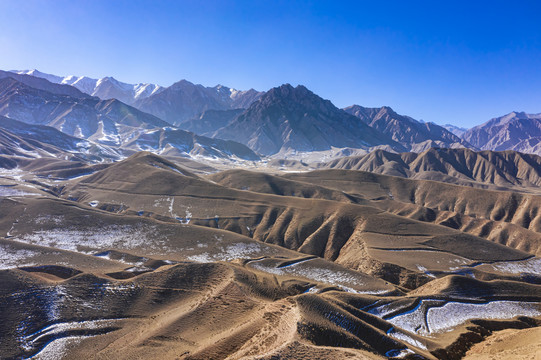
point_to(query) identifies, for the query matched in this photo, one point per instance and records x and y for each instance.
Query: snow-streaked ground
(347, 281)
(83, 239)
(12, 258)
(56, 349)
(232, 252)
(8, 191)
(529, 266)
(434, 316)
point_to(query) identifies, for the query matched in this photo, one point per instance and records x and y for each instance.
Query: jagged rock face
(243, 99)
(405, 130)
(515, 131)
(288, 118)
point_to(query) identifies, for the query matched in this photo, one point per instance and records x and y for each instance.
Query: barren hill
(460, 166)
(145, 258)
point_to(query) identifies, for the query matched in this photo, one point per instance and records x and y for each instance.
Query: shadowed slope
(502, 216)
(412, 134)
(460, 166)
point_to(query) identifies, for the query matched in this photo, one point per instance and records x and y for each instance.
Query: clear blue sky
(459, 62)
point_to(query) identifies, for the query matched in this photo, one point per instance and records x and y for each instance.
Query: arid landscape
(270, 180)
(145, 258)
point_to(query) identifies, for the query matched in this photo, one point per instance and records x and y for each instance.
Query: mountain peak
(181, 84)
(288, 91)
(517, 131)
(411, 133)
(104, 88)
(288, 118)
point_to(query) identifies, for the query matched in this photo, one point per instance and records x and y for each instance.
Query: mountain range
(413, 135)
(286, 121)
(104, 88)
(183, 100)
(179, 102)
(515, 131)
(458, 166)
(107, 122)
(294, 119)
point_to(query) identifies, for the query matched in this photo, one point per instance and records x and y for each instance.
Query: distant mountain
(180, 102)
(108, 122)
(414, 135)
(105, 121)
(515, 131)
(288, 118)
(104, 88)
(459, 166)
(43, 84)
(457, 130)
(22, 140)
(184, 100)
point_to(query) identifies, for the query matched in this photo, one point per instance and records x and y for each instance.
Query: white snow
(341, 279)
(57, 348)
(92, 86)
(12, 258)
(8, 191)
(406, 338)
(171, 204)
(230, 252)
(443, 316)
(44, 219)
(78, 132)
(455, 313)
(107, 236)
(175, 170)
(14, 173)
(530, 266)
(399, 354)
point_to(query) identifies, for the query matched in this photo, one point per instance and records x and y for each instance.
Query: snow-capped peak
(104, 88)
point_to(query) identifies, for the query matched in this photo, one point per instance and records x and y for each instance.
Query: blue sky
(459, 62)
